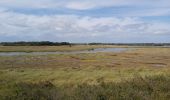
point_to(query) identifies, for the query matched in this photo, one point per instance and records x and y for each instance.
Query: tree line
(132, 44)
(42, 43)
(48, 43)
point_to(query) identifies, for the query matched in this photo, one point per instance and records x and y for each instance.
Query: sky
(83, 21)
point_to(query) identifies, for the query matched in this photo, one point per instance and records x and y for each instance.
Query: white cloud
(83, 4)
(147, 12)
(83, 25)
(89, 4)
(159, 28)
(138, 7)
(73, 26)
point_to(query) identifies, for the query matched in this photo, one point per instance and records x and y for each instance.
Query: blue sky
(85, 20)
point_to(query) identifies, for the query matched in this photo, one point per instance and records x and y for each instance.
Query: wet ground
(68, 52)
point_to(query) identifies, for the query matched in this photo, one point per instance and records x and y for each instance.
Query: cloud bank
(76, 27)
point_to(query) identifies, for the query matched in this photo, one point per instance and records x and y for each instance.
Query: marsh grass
(142, 74)
(137, 88)
(51, 48)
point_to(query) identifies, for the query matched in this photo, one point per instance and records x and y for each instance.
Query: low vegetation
(138, 74)
(138, 88)
(50, 48)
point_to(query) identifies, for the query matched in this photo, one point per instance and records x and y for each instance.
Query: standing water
(65, 52)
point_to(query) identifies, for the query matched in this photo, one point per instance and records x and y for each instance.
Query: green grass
(50, 48)
(142, 74)
(49, 84)
(138, 88)
(73, 76)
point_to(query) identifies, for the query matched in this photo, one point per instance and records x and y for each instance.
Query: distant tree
(42, 43)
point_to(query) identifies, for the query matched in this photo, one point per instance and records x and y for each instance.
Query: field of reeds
(138, 74)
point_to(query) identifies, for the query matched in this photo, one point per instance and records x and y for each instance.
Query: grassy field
(139, 74)
(50, 48)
